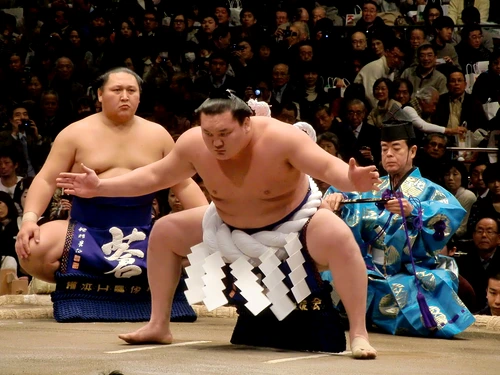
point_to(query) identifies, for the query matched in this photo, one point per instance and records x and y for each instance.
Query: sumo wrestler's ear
(246, 125)
(99, 95)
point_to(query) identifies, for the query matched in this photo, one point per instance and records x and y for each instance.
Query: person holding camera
(24, 137)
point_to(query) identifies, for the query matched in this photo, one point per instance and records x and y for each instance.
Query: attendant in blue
(411, 288)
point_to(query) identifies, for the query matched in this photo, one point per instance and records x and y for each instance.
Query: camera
(25, 126)
(288, 33)
(257, 92)
(235, 47)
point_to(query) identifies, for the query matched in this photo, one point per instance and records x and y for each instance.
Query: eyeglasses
(179, 21)
(489, 232)
(357, 113)
(438, 145)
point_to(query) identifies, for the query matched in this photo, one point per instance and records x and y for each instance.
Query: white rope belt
(265, 249)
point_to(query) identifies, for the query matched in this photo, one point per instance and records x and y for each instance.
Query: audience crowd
(345, 67)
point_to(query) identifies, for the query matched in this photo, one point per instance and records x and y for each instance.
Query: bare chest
(106, 152)
(255, 179)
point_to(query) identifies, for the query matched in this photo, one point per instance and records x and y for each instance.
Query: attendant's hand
(457, 131)
(363, 178)
(83, 185)
(393, 206)
(333, 202)
(29, 230)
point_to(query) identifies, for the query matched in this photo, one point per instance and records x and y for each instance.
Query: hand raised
(83, 185)
(363, 178)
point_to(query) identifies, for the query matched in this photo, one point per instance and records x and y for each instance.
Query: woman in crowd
(310, 93)
(382, 91)
(456, 181)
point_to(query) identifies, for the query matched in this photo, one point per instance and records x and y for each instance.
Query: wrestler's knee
(44, 258)
(327, 233)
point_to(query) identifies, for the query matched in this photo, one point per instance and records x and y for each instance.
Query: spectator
(432, 157)
(377, 45)
(370, 22)
(442, 42)
(8, 233)
(310, 92)
(52, 120)
(66, 87)
(24, 137)
(456, 8)
(250, 27)
(477, 184)
(488, 83)
(282, 90)
(470, 49)
(403, 91)
(487, 206)
(217, 79)
(425, 73)
(385, 67)
(481, 258)
(383, 92)
(457, 108)
(471, 16)
(456, 182)
(8, 167)
(366, 146)
(286, 112)
(223, 14)
(492, 296)
(208, 25)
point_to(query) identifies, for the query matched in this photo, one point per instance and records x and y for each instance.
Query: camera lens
(257, 92)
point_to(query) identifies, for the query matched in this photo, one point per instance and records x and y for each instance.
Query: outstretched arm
(305, 155)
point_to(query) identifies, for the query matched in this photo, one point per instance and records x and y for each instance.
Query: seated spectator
(209, 23)
(286, 112)
(310, 93)
(403, 91)
(23, 136)
(442, 43)
(425, 73)
(250, 26)
(456, 182)
(432, 157)
(487, 206)
(488, 83)
(477, 184)
(36, 84)
(52, 120)
(383, 92)
(84, 107)
(417, 37)
(8, 233)
(382, 68)
(481, 259)
(223, 14)
(457, 108)
(492, 296)
(432, 11)
(8, 166)
(243, 62)
(470, 49)
(471, 16)
(174, 203)
(369, 22)
(65, 85)
(456, 8)
(366, 147)
(217, 79)
(282, 22)
(282, 89)
(377, 45)
(330, 143)
(78, 52)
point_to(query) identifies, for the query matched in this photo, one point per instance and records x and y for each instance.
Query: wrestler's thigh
(327, 233)
(179, 231)
(44, 257)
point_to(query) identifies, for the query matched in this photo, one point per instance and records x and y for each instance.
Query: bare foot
(361, 349)
(149, 334)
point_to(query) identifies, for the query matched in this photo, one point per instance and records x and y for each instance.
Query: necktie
(24, 143)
